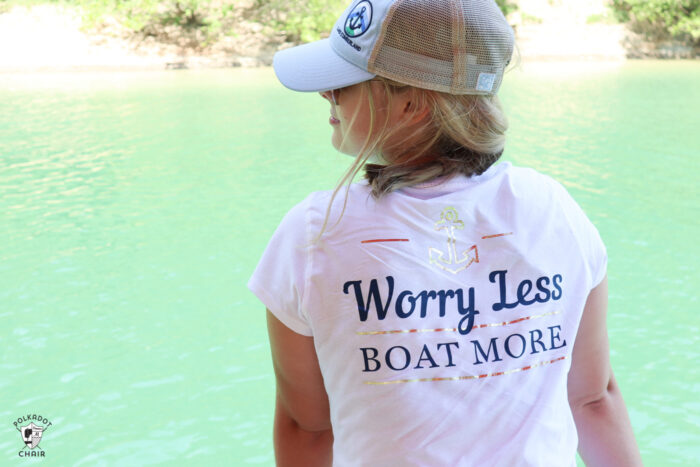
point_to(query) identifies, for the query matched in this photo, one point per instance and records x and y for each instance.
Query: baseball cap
(453, 46)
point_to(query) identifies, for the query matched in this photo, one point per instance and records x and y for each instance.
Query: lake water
(134, 207)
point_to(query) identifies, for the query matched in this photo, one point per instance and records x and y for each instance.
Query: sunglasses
(335, 93)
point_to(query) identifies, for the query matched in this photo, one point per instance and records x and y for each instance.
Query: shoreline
(49, 38)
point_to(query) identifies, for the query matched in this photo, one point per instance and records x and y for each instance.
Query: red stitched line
(385, 240)
(497, 235)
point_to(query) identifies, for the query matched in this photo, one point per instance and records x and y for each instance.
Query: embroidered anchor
(355, 21)
(449, 221)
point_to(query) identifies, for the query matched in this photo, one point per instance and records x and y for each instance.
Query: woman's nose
(330, 95)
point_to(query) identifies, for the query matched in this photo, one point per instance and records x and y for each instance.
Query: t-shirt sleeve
(279, 278)
(587, 236)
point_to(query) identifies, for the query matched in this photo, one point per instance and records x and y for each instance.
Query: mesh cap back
(454, 46)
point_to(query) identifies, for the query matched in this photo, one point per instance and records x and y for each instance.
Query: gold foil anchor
(449, 221)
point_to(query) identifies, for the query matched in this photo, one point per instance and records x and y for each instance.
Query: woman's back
(443, 316)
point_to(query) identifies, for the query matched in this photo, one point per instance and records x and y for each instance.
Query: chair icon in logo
(31, 434)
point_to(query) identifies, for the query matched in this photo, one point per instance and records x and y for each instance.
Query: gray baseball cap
(453, 46)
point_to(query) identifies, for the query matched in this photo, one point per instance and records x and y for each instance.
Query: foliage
(7, 5)
(207, 20)
(532, 19)
(299, 21)
(661, 19)
(603, 18)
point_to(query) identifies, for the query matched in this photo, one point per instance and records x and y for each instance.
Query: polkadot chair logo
(32, 434)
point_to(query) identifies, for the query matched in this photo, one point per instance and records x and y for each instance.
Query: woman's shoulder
(506, 172)
(319, 200)
(315, 205)
(532, 186)
(530, 177)
(544, 193)
(537, 195)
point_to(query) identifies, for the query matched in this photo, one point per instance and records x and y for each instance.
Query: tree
(661, 19)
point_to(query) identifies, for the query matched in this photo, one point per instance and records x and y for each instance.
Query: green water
(134, 207)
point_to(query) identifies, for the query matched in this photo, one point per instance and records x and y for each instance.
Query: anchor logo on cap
(359, 19)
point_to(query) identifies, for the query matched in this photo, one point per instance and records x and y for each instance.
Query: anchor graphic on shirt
(449, 221)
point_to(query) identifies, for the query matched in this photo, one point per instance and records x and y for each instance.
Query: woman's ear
(415, 107)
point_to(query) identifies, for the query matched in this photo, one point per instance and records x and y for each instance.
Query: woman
(446, 310)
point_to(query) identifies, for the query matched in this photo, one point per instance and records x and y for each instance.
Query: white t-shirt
(443, 316)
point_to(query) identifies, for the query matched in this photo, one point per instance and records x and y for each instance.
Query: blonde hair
(463, 134)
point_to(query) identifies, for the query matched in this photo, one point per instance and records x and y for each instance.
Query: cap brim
(315, 67)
